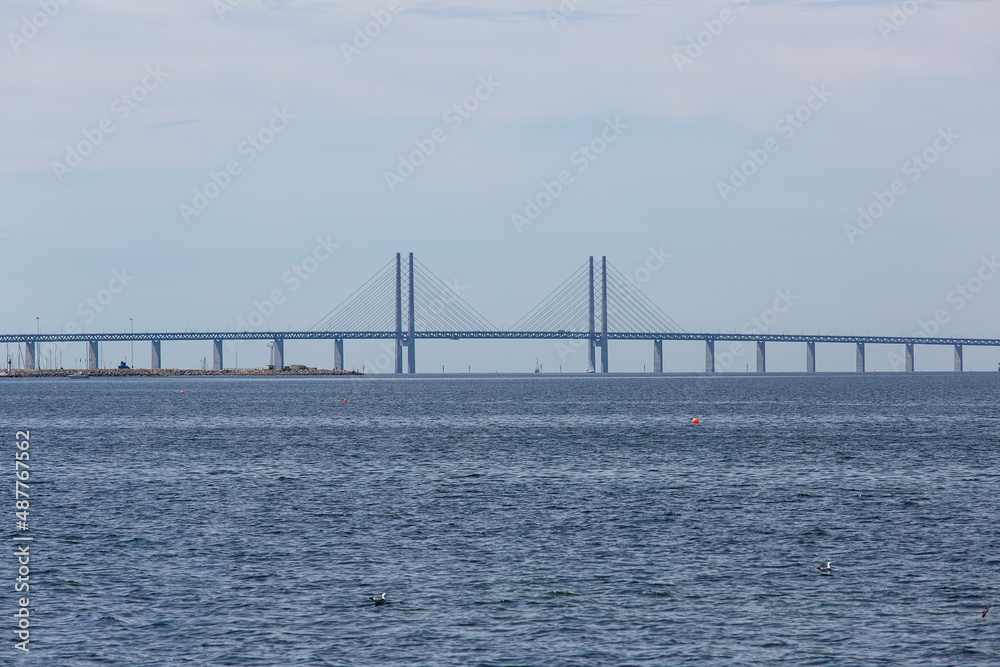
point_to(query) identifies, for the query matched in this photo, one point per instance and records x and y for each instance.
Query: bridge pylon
(411, 353)
(399, 314)
(591, 357)
(30, 355)
(573, 309)
(604, 314)
(395, 307)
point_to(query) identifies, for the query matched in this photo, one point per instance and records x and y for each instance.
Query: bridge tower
(338, 354)
(399, 314)
(278, 353)
(411, 353)
(93, 357)
(386, 307)
(217, 364)
(591, 357)
(604, 314)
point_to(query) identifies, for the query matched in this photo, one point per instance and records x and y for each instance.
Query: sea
(541, 520)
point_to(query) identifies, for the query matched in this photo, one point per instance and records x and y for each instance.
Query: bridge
(598, 304)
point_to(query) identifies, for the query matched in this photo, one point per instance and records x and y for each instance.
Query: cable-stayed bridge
(405, 301)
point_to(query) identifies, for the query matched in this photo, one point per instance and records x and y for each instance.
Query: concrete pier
(657, 356)
(338, 354)
(760, 357)
(909, 357)
(861, 357)
(959, 362)
(30, 355)
(709, 356)
(810, 357)
(93, 355)
(279, 353)
(216, 355)
(154, 358)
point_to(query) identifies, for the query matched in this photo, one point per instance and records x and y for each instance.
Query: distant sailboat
(538, 367)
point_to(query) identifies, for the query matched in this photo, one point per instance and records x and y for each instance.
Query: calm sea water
(512, 521)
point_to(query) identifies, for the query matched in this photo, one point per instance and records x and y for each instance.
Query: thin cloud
(175, 123)
(441, 13)
(300, 5)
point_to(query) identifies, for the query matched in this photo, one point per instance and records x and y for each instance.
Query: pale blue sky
(221, 80)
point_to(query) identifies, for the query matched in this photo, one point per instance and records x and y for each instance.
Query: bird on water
(987, 610)
(825, 569)
(377, 601)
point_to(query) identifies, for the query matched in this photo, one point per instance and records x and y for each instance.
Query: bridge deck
(489, 335)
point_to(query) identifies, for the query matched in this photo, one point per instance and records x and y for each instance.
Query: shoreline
(168, 372)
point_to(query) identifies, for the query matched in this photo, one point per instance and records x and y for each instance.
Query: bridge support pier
(217, 355)
(959, 366)
(154, 357)
(760, 357)
(810, 357)
(279, 353)
(909, 357)
(338, 354)
(709, 356)
(93, 361)
(861, 357)
(657, 356)
(30, 354)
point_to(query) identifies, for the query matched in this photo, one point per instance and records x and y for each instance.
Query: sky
(170, 166)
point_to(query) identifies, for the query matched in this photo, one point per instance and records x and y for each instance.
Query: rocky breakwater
(293, 371)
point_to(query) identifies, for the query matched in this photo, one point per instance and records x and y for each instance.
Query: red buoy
(345, 400)
(182, 391)
(695, 421)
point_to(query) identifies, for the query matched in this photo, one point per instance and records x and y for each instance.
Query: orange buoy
(55, 387)
(695, 421)
(345, 400)
(182, 391)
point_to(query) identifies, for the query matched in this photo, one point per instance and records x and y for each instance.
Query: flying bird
(377, 601)
(825, 569)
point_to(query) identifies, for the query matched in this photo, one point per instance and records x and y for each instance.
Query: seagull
(987, 610)
(377, 601)
(825, 569)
